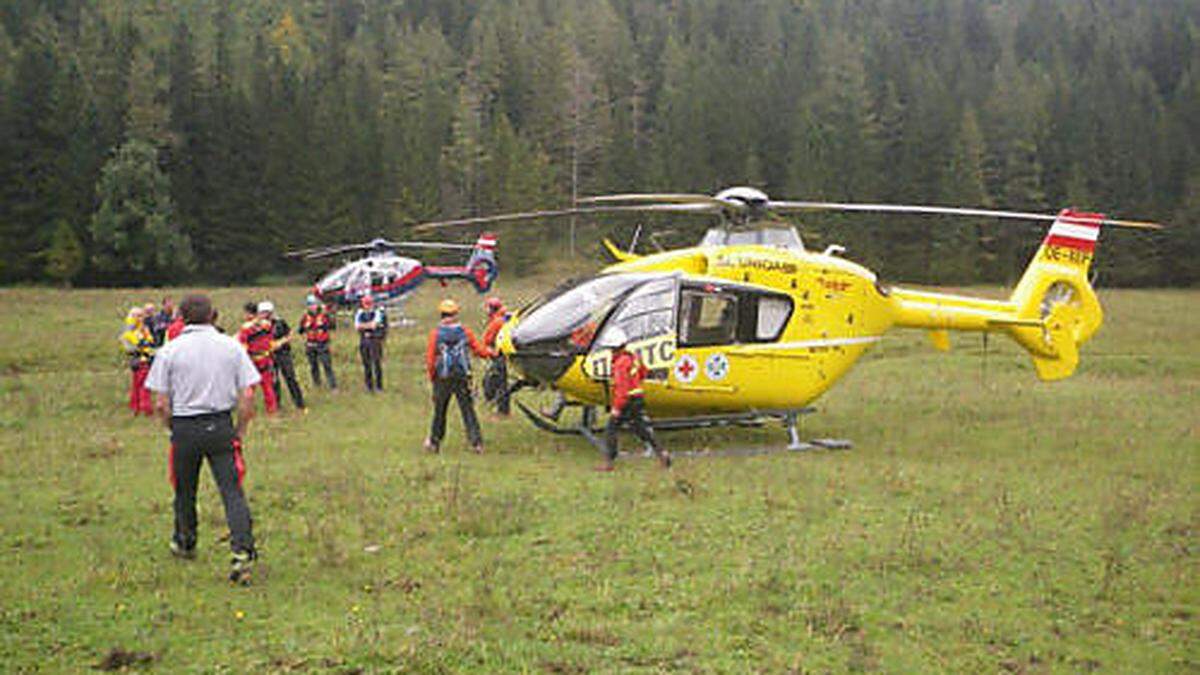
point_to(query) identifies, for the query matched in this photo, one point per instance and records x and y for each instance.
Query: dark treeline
(153, 141)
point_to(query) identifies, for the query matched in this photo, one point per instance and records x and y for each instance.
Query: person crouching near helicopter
(495, 380)
(449, 367)
(628, 403)
(371, 323)
(284, 369)
(138, 343)
(255, 336)
(315, 326)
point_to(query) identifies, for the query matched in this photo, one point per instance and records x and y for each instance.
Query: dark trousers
(460, 388)
(371, 351)
(634, 416)
(318, 356)
(192, 440)
(285, 369)
(495, 385)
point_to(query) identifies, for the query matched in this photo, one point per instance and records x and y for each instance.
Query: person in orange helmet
(449, 368)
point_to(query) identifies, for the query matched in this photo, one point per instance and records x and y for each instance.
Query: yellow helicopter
(749, 325)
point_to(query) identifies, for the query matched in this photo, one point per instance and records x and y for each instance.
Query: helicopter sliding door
(718, 327)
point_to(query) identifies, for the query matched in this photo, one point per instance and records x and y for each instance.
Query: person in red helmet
(628, 404)
(371, 323)
(495, 380)
(256, 336)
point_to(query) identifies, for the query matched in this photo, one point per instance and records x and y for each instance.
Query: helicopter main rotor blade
(659, 198)
(941, 210)
(326, 251)
(558, 213)
(435, 245)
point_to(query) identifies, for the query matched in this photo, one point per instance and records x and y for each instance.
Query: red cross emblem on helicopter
(686, 368)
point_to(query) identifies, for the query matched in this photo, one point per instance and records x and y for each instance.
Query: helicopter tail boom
(1051, 313)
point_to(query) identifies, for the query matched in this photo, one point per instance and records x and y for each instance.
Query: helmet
(367, 300)
(266, 307)
(311, 300)
(615, 337)
(493, 304)
(448, 306)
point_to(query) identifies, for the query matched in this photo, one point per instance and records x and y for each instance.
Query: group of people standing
(146, 329)
(204, 383)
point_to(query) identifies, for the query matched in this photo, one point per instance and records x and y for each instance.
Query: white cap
(615, 337)
(266, 306)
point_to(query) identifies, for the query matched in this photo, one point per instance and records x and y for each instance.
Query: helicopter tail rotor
(1056, 292)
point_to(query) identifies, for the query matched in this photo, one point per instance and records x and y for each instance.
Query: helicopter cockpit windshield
(563, 324)
(775, 237)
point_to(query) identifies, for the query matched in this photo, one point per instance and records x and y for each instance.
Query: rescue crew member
(628, 404)
(315, 326)
(176, 326)
(281, 353)
(255, 336)
(371, 323)
(159, 322)
(449, 368)
(138, 343)
(198, 379)
(495, 380)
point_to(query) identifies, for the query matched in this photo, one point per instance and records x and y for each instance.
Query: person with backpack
(371, 323)
(448, 364)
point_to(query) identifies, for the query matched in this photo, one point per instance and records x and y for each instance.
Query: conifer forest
(178, 141)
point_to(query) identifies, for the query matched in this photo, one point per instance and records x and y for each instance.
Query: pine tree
(136, 239)
(65, 256)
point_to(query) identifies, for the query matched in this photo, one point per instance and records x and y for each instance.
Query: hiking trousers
(632, 415)
(194, 439)
(285, 369)
(318, 356)
(459, 388)
(371, 351)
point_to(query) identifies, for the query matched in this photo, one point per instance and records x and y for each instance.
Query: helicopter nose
(540, 362)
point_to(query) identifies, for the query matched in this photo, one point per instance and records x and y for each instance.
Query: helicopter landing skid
(590, 431)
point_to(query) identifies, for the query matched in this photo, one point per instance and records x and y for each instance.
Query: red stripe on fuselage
(1070, 242)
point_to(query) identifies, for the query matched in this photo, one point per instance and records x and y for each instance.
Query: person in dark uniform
(371, 324)
(316, 326)
(199, 378)
(628, 404)
(281, 354)
(448, 365)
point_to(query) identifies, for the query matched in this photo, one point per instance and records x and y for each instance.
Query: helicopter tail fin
(1056, 307)
(481, 266)
(480, 269)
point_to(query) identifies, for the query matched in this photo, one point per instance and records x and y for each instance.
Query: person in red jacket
(448, 365)
(495, 380)
(256, 335)
(628, 404)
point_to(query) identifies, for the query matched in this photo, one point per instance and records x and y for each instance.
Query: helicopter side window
(707, 318)
(773, 315)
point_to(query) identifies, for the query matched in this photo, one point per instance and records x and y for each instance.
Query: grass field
(984, 521)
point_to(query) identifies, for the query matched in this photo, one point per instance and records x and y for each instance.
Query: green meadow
(983, 522)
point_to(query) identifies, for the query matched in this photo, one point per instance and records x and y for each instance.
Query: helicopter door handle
(834, 249)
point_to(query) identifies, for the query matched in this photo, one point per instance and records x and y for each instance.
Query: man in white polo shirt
(199, 378)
